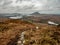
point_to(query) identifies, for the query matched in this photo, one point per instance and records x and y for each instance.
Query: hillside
(43, 18)
(12, 29)
(45, 35)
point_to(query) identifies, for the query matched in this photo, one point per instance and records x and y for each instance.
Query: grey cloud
(29, 5)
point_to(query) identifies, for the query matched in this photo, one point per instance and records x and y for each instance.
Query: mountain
(35, 13)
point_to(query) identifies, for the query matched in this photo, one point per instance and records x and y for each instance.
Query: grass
(45, 35)
(3, 27)
(48, 36)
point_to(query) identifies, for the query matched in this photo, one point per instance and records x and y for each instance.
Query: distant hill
(35, 13)
(7, 15)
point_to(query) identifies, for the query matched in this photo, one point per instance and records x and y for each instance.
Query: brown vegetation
(10, 30)
(48, 35)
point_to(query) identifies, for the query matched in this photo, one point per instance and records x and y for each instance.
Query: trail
(21, 39)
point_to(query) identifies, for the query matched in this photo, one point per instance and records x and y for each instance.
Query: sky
(29, 6)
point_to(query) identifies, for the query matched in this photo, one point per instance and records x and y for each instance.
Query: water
(16, 17)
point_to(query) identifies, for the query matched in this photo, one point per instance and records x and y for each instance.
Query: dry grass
(45, 35)
(10, 30)
(48, 35)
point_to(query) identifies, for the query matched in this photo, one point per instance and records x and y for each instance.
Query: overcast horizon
(28, 6)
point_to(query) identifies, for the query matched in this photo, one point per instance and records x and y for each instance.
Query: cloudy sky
(28, 6)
